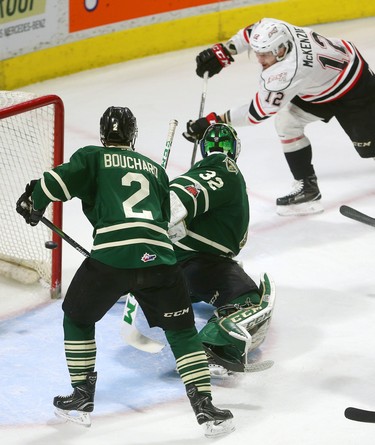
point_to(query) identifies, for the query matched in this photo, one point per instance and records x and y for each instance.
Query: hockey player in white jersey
(305, 77)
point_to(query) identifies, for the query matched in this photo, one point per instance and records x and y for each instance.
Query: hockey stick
(351, 413)
(129, 332)
(349, 212)
(239, 367)
(201, 109)
(65, 237)
(168, 144)
(137, 340)
(360, 415)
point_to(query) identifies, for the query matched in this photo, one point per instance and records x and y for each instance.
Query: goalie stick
(128, 330)
(351, 213)
(360, 415)
(201, 109)
(136, 339)
(239, 367)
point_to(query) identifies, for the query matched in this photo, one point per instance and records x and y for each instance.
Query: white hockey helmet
(270, 37)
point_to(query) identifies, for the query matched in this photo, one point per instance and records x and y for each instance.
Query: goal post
(31, 142)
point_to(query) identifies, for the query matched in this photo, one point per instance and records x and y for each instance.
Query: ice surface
(323, 329)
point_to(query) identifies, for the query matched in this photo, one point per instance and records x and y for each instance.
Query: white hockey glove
(178, 210)
(176, 227)
(177, 232)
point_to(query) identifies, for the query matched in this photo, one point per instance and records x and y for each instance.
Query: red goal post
(31, 142)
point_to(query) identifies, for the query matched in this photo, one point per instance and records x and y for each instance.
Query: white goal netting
(27, 148)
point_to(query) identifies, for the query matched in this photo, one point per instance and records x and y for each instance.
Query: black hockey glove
(213, 60)
(24, 206)
(195, 129)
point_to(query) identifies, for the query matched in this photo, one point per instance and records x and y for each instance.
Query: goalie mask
(271, 37)
(220, 138)
(118, 127)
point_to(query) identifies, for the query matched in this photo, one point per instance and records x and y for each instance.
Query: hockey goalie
(208, 226)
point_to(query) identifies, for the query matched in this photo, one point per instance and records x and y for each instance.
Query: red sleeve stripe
(289, 141)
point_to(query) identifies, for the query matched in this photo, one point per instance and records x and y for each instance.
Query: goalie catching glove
(25, 207)
(195, 129)
(213, 60)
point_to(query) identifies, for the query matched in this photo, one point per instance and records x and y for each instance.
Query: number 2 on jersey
(136, 197)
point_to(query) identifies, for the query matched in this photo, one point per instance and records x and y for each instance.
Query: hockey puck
(50, 245)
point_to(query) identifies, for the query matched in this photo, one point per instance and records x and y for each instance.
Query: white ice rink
(322, 337)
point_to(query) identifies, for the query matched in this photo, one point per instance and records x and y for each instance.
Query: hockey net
(31, 141)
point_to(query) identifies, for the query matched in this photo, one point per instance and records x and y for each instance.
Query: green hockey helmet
(220, 138)
(118, 127)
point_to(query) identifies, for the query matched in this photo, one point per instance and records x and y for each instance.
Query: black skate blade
(360, 415)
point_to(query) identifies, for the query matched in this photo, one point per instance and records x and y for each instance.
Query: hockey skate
(81, 402)
(216, 422)
(217, 371)
(304, 199)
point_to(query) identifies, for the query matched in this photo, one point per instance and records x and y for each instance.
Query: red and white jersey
(317, 69)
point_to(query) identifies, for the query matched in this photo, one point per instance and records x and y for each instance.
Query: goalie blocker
(237, 329)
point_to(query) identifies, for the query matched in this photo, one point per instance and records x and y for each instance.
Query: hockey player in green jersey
(125, 196)
(209, 224)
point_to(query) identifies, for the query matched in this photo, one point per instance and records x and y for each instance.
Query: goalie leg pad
(217, 342)
(236, 330)
(256, 319)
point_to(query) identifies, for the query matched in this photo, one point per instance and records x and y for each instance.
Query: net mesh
(26, 150)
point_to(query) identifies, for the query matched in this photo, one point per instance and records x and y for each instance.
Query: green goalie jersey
(125, 196)
(214, 194)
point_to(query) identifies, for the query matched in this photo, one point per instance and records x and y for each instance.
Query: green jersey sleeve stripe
(206, 199)
(62, 184)
(132, 241)
(203, 189)
(183, 247)
(181, 187)
(132, 225)
(208, 242)
(46, 191)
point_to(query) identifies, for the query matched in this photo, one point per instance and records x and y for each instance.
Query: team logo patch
(147, 257)
(231, 165)
(193, 189)
(281, 77)
(272, 32)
